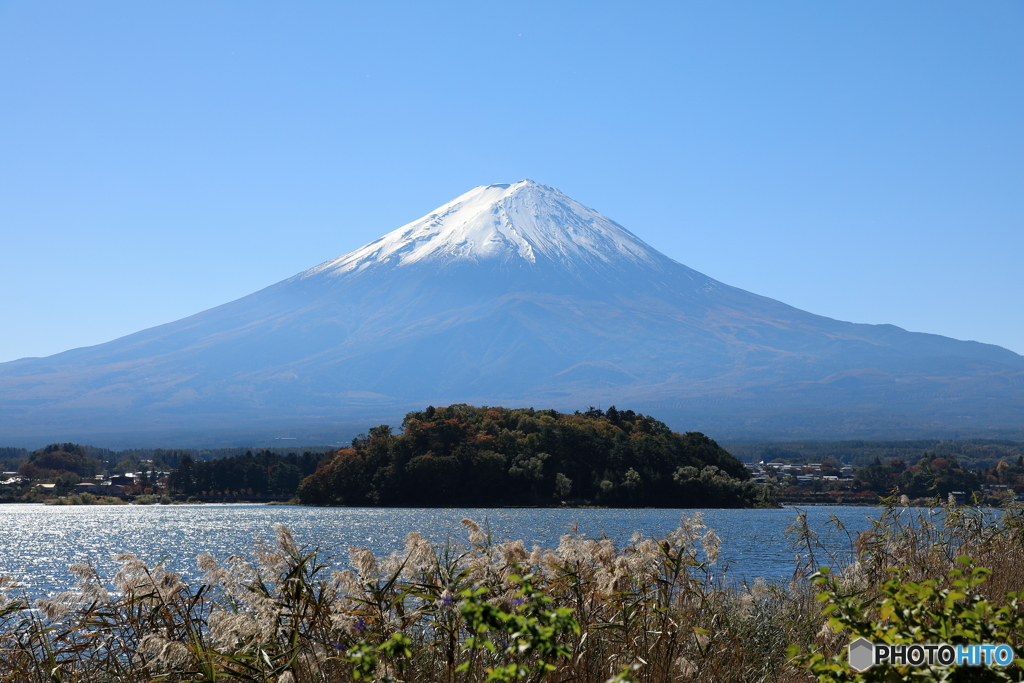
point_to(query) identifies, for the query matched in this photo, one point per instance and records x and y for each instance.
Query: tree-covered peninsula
(463, 455)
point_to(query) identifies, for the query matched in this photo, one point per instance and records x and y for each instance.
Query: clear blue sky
(860, 160)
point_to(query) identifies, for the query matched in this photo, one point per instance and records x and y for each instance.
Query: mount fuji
(511, 294)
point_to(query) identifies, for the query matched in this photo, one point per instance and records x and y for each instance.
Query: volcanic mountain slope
(514, 294)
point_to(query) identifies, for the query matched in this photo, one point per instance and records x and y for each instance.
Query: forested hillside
(468, 456)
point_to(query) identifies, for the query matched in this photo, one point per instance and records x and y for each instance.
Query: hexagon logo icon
(861, 654)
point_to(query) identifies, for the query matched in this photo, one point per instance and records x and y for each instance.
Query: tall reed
(653, 610)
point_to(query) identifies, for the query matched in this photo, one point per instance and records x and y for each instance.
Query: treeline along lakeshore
(462, 455)
(459, 455)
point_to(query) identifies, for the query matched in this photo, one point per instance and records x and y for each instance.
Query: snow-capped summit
(523, 221)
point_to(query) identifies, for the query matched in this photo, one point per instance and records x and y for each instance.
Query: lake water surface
(38, 542)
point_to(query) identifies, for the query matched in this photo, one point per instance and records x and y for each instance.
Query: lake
(38, 542)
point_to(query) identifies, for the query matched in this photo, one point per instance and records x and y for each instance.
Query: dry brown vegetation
(654, 610)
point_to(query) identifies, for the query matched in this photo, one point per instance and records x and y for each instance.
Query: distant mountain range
(514, 295)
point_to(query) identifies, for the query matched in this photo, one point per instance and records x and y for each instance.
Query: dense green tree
(12, 458)
(60, 458)
(264, 473)
(462, 455)
(931, 476)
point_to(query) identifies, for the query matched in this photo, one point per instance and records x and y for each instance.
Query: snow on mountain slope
(523, 221)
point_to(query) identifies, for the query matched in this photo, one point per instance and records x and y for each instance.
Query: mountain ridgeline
(510, 294)
(465, 456)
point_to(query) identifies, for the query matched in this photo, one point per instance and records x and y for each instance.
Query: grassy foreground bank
(655, 610)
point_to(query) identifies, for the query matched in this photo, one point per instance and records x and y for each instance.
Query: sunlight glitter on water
(39, 542)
